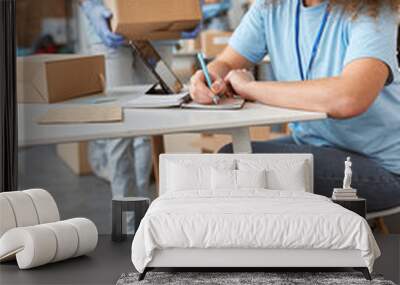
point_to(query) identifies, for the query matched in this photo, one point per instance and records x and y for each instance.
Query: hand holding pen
(202, 92)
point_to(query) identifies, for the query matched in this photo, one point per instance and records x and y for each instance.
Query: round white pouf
(37, 245)
(87, 233)
(32, 246)
(46, 207)
(27, 208)
(23, 208)
(67, 240)
(6, 215)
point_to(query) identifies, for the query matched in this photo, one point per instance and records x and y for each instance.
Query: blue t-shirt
(270, 29)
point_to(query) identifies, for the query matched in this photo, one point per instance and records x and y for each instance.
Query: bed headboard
(307, 159)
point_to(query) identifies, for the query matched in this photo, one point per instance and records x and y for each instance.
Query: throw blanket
(254, 218)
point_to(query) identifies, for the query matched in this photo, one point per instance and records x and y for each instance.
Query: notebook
(182, 100)
(158, 101)
(224, 104)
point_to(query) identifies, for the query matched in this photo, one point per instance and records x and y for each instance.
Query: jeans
(380, 187)
(125, 163)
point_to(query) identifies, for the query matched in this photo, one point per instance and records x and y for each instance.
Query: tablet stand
(157, 89)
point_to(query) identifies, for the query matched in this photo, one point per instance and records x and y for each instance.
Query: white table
(153, 122)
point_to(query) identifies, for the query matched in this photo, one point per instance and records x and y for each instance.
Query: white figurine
(346, 193)
(347, 174)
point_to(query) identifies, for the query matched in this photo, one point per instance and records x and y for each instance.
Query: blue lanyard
(305, 76)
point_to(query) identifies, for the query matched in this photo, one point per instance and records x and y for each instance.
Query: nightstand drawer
(358, 206)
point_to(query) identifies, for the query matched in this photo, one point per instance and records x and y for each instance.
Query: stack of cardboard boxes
(56, 78)
(214, 42)
(210, 42)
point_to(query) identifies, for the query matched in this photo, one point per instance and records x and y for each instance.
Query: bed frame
(242, 259)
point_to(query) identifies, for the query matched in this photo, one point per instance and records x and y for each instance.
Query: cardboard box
(55, 78)
(75, 155)
(190, 45)
(35, 15)
(154, 19)
(214, 42)
(212, 143)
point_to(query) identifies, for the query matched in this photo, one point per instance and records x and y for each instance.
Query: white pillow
(251, 178)
(290, 175)
(237, 179)
(223, 179)
(185, 175)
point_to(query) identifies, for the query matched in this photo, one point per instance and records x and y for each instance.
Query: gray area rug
(236, 278)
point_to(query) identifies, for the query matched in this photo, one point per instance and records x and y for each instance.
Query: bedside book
(344, 197)
(340, 190)
(344, 194)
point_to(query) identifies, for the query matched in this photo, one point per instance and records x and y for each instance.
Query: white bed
(202, 220)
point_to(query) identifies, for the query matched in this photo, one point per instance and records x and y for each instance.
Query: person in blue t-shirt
(337, 57)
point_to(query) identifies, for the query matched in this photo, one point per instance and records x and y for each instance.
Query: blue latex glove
(99, 16)
(192, 34)
(196, 31)
(214, 10)
(209, 11)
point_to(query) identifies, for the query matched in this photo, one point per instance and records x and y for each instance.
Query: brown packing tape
(103, 81)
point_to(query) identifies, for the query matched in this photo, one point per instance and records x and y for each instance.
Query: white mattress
(252, 219)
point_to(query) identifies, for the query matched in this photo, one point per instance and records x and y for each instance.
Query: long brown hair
(372, 7)
(355, 7)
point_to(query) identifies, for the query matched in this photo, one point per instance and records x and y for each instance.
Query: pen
(200, 57)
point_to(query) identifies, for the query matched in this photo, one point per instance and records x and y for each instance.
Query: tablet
(168, 81)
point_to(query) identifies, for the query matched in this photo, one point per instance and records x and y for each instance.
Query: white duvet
(250, 219)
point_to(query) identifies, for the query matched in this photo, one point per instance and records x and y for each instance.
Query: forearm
(228, 60)
(331, 95)
(219, 68)
(347, 95)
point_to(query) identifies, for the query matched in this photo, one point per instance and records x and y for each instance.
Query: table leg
(158, 148)
(241, 140)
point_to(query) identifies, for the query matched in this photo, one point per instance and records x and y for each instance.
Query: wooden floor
(103, 266)
(40, 167)
(106, 264)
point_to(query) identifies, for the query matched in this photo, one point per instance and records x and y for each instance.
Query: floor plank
(103, 266)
